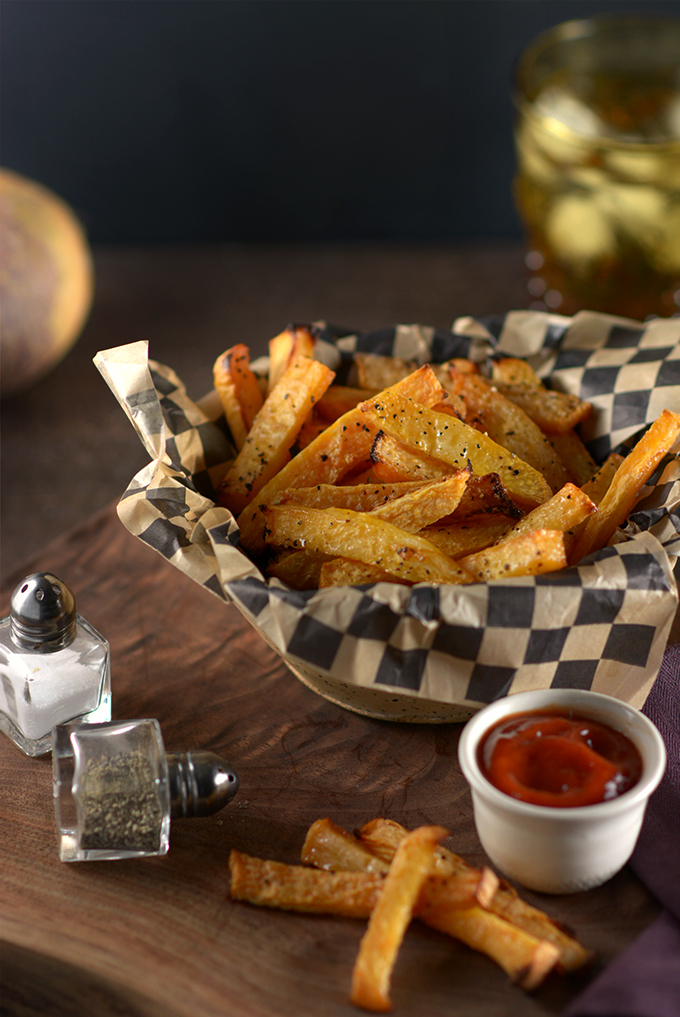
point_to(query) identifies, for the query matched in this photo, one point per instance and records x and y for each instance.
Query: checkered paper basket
(431, 652)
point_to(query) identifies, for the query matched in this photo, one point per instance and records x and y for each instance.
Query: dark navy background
(273, 120)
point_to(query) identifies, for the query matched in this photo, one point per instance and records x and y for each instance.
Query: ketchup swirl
(558, 759)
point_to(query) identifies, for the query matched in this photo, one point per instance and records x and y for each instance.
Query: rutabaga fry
(382, 836)
(343, 445)
(629, 479)
(417, 509)
(348, 893)
(554, 412)
(575, 456)
(465, 536)
(346, 572)
(328, 846)
(442, 903)
(301, 570)
(566, 510)
(514, 371)
(299, 888)
(293, 342)
(377, 372)
(509, 426)
(484, 495)
(267, 448)
(335, 451)
(358, 497)
(390, 918)
(530, 554)
(600, 482)
(362, 537)
(405, 462)
(525, 958)
(442, 436)
(238, 390)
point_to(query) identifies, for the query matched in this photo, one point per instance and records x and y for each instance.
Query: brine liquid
(598, 190)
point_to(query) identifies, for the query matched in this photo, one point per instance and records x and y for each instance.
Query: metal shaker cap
(200, 783)
(42, 614)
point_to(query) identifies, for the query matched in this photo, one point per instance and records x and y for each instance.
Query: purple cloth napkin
(644, 981)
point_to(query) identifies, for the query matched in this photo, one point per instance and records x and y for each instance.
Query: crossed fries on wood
(389, 876)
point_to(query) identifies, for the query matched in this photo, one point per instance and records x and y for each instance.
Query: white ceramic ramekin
(561, 850)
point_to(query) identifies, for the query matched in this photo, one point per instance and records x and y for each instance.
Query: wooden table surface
(160, 936)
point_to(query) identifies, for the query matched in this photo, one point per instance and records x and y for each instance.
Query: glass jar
(54, 666)
(116, 789)
(598, 165)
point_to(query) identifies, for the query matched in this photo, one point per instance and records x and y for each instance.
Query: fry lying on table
(389, 876)
(416, 474)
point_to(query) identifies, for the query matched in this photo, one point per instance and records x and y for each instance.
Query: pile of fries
(389, 876)
(436, 474)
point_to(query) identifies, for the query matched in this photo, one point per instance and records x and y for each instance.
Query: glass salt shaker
(116, 789)
(54, 666)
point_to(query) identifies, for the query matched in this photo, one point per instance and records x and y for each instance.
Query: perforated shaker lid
(42, 614)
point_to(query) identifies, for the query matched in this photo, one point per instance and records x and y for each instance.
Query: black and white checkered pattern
(629, 371)
(602, 625)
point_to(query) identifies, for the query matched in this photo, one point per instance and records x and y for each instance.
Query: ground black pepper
(121, 809)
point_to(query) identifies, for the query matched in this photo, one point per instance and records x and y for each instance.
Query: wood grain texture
(159, 936)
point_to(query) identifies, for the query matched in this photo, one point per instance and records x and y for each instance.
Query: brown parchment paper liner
(436, 653)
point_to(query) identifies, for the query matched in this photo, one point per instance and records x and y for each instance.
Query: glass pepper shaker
(116, 789)
(54, 666)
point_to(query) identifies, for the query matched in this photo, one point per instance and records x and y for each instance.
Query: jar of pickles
(598, 166)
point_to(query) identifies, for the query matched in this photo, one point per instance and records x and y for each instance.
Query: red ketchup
(559, 759)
